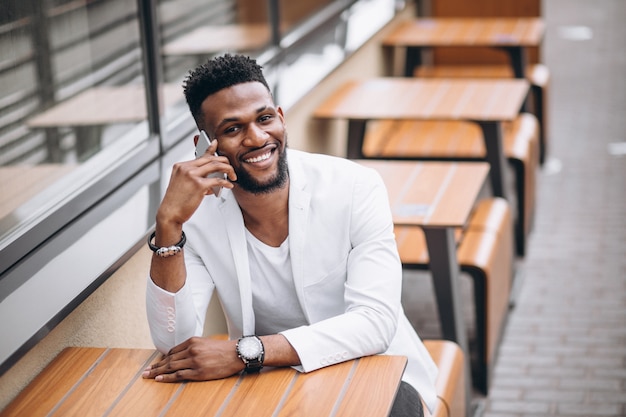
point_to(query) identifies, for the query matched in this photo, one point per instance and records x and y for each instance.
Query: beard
(250, 184)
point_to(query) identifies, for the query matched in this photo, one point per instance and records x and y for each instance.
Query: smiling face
(250, 132)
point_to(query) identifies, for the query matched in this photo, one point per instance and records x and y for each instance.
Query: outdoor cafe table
(216, 38)
(89, 110)
(108, 382)
(103, 105)
(488, 103)
(437, 197)
(513, 35)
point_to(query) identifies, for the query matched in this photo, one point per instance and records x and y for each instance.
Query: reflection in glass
(192, 31)
(70, 86)
(325, 47)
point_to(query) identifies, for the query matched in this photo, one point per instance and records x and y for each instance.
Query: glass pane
(192, 31)
(71, 98)
(293, 13)
(325, 47)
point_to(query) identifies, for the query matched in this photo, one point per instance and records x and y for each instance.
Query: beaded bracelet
(166, 251)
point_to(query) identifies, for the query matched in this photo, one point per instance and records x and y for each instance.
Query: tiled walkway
(564, 347)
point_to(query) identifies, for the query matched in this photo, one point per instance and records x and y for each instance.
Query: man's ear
(195, 140)
(279, 110)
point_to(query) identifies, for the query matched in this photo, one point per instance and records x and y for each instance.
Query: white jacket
(346, 271)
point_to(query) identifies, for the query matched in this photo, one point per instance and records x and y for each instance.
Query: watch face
(249, 348)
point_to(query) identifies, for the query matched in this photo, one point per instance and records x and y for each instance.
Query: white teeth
(260, 158)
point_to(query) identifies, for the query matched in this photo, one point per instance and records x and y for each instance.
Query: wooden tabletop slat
(103, 105)
(462, 190)
(430, 194)
(259, 397)
(211, 39)
(467, 32)
(50, 386)
(146, 398)
(317, 396)
(108, 382)
(213, 394)
(439, 99)
(32, 180)
(105, 383)
(382, 377)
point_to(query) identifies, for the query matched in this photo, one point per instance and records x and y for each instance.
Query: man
(299, 247)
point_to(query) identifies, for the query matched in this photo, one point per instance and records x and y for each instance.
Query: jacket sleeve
(372, 290)
(175, 317)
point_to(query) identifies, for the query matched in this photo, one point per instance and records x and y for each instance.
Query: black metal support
(44, 70)
(518, 60)
(274, 17)
(413, 60)
(356, 134)
(445, 271)
(492, 133)
(152, 65)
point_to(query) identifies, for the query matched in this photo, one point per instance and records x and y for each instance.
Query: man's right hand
(189, 184)
(187, 187)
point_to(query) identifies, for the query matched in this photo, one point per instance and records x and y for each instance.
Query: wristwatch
(250, 350)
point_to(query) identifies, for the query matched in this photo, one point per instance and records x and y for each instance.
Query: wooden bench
(537, 75)
(458, 140)
(485, 253)
(450, 387)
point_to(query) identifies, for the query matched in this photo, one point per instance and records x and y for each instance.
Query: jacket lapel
(237, 240)
(299, 206)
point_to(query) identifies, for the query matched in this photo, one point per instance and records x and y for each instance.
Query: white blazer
(346, 271)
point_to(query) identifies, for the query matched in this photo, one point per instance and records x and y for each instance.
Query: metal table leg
(445, 271)
(492, 134)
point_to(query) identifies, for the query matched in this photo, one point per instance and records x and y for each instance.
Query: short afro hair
(215, 75)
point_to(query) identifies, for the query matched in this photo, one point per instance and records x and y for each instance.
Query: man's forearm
(279, 352)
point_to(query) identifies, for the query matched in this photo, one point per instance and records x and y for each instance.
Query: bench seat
(537, 75)
(485, 253)
(450, 385)
(460, 140)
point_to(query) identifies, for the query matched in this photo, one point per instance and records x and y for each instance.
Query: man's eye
(266, 118)
(231, 130)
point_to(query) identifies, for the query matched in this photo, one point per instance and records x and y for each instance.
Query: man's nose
(255, 135)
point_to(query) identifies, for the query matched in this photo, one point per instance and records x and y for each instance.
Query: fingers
(169, 370)
(213, 147)
(215, 166)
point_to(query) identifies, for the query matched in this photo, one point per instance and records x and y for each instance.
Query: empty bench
(485, 253)
(450, 385)
(460, 140)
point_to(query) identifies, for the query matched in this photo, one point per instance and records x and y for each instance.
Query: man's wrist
(251, 351)
(167, 251)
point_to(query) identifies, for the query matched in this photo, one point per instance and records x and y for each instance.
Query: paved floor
(564, 347)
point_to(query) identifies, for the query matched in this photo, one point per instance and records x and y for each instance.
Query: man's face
(250, 132)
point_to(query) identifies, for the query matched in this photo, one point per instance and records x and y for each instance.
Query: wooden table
(488, 103)
(98, 382)
(95, 107)
(20, 183)
(513, 35)
(438, 197)
(213, 39)
(103, 105)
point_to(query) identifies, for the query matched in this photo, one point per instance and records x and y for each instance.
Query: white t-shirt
(274, 298)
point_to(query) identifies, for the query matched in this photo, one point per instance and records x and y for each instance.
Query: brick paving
(564, 348)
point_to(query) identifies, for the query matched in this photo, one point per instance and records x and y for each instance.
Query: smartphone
(201, 147)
